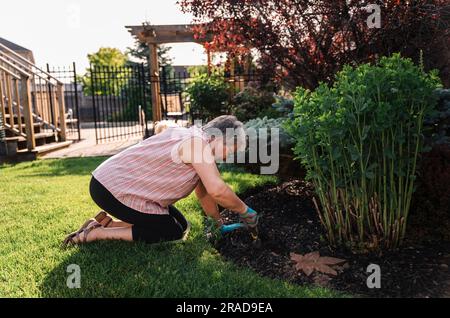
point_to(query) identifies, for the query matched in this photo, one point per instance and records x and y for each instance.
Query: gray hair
(229, 127)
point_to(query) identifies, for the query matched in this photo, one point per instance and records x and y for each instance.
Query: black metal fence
(176, 103)
(72, 91)
(120, 101)
(122, 98)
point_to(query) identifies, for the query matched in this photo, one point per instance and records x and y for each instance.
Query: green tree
(197, 70)
(106, 58)
(141, 53)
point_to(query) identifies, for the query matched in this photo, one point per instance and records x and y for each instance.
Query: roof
(13, 46)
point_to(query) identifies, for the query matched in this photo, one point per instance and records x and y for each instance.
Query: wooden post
(53, 106)
(10, 101)
(18, 104)
(247, 68)
(232, 62)
(2, 104)
(27, 112)
(62, 113)
(154, 82)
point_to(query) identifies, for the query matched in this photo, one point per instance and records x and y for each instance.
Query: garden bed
(290, 224)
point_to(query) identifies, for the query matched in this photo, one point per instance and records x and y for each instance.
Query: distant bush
(253, 102)
(208, 97)
(288, 167)
(283, 106)
(286, 142)
(360, 140)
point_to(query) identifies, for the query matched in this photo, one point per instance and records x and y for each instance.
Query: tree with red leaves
(308, 41)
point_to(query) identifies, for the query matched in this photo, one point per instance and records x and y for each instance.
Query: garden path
(88, 147)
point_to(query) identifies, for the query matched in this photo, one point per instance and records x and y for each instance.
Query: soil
(289, 223)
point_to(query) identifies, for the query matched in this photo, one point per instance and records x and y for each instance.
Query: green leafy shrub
(283, 106)
(288, 167)
(430, 215)
(360, 140)
(286, 142)
(208, 97)
(253, 103)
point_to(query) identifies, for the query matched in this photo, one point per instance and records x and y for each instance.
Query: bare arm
(198, 153)
(207, 202)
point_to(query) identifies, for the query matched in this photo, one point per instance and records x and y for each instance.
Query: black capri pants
(149, 228)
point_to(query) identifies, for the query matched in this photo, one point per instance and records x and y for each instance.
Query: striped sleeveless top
(145, 177)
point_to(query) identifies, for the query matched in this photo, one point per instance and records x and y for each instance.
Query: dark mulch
(290, 224)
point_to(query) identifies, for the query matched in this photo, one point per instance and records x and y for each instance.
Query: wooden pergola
(154, 35)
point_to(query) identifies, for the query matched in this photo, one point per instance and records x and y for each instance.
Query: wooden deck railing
(29, 96)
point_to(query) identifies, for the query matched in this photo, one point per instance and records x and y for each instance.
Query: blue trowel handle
(231, 227)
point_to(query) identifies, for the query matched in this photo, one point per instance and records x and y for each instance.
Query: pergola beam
(161, 34)
(153, 35)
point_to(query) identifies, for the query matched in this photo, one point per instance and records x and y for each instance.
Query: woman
(139, 186)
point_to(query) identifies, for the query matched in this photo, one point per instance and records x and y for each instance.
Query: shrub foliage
(252, 102)
(208, 96)
(360, 140)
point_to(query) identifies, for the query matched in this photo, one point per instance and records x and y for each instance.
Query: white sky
(64, 31)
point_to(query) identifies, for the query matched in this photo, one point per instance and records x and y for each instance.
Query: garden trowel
(235, 226)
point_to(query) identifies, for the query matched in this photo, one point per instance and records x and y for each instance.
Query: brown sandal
(99, 218)
(103, 218)
(86, 224)
(69, 240)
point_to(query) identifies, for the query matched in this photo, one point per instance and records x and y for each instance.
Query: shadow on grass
(119, 269)
(191, 269)
(62, 167)
(112, 269)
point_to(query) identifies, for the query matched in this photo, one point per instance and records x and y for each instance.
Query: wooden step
(15, 118)
(36, 128)
(41, 150)
(23, 125)
(15, 138)
(36, 136)
(15, 115)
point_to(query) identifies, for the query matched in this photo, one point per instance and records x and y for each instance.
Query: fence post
(27, 112)
(62, 112)
(144, 99)
(77, 105)
(51, 100)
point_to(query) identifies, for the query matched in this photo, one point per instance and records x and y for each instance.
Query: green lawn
(42, 201)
